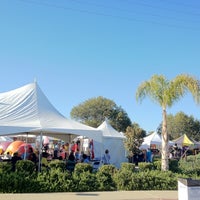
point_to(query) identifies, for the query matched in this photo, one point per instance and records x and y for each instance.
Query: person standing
(149, 155)
(32, 156)
(14, 160)
(106, 157)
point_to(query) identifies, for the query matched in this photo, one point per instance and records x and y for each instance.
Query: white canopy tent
(153, 139)
(114, 142)
(27, 110)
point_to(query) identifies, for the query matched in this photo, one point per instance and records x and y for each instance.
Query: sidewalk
(119, 195)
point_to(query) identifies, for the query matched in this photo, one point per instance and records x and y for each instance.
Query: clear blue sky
(80, 49)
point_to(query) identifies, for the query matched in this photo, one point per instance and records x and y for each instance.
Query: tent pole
(40, 153)
(102, 147)
(25, 147)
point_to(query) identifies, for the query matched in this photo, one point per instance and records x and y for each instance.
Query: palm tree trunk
(165, 139)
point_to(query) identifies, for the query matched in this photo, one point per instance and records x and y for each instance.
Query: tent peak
(109, 131)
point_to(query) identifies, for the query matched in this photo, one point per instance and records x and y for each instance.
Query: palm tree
(166, 93)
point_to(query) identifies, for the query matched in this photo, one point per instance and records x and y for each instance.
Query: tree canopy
(93, 112)
(180, 124)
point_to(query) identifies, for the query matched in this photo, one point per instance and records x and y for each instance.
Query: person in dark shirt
(32, 156)
(14, 160)
(70, 164)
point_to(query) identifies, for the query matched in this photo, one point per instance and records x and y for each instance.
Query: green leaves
(93, 112)
(166, 92)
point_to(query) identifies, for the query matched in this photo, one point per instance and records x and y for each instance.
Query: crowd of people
(31, 155)
(177, 152)
(144, 155)
(71, 153)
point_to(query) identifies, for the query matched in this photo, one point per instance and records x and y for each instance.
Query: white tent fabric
(27, 110)
(153, 139)
(5, 139)
(114, 142)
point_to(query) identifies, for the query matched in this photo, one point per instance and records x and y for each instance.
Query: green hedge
(107, 178)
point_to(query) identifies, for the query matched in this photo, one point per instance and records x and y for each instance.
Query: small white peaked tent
(27, 110)
(114, 142)
(153, 139)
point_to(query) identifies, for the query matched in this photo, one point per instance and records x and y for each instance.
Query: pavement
(118, 195)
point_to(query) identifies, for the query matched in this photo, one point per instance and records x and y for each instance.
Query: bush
(143, 166)
(25, 166)
(123, 178)
(128, 166)
(190, 167)
(174, 166)
(154, 180)
(18, 183)
(83, 178)
(85, 181)
(5, 167)
(57, 164)
(82, 167)
(157, 165)
(55, 180)
(105, 177)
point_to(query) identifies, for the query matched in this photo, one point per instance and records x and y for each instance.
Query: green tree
(180, 124)
(93, 112)
(134, 138)
(166, 93)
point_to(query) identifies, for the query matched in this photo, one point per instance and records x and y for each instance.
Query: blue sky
(80, 49)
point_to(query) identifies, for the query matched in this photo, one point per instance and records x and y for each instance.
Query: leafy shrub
(146, 180)
(174, 165)
(83, 178)
(105, 178)
(57, 164)
(82, 167)
(190, 167)
(85, 181)
(55, 180)
(155, 180)
(128, 166)
(5, 167)
(143, 166)
(156, 158)
(25, 166)
(123, 178)
(18, 183)
(157, 165)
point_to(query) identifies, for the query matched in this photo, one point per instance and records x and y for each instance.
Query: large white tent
(27, 110)
(114, 142)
